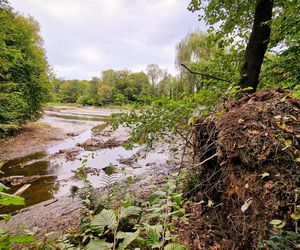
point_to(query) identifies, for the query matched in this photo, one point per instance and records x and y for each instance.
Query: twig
(209, 158)
(22, 189)
(70, 211)
(205, 75)
(50, 202)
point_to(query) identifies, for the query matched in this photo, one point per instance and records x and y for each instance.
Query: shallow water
(52, 162)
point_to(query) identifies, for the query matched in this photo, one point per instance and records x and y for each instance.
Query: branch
(205, 75)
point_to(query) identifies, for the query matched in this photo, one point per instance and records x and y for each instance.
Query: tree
(155, 74)
(71, 90)
(250, 22)
(24, 80)
(206, 53)
(257, 45)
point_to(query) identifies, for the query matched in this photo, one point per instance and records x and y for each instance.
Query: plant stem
(116, 229)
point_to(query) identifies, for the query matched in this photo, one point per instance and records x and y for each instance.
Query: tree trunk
(257, 45)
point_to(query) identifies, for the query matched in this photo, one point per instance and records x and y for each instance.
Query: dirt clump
(249, 163)
(92, 144)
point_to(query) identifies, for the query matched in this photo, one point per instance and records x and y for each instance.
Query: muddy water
(79, 123)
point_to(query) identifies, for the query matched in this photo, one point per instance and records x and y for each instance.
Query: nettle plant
(149, 226)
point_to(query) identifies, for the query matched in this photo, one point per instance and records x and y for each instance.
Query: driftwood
(22, 189)
(21, 179)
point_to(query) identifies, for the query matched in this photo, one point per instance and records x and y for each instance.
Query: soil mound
(248, 172)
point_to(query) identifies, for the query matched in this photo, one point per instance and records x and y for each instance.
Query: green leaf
(8, 199)
(174, 246)
(129, 211)
(127, 203)
(106, 218)
(153, 235)
(22, 239)
(276, 222)
(127, 239)
(155, 196)
(176, 197)
(181, 176)
(247, 88)
(2, 187)
(6, 217)
(287, 144)
(171, 185)
(99, 244)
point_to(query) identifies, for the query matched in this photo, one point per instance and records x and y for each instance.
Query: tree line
(24, 84)
(243, 48)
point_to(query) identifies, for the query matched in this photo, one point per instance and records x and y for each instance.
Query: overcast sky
(84, 37)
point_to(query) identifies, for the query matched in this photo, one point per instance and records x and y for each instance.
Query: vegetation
(242, 186)
(7, 241)
(260, 25)
(23, 69)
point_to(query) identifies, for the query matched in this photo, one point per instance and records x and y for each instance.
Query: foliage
(6, 240)
(150, 226)
(23, 68)
(281, 240)
(127, 225)
(114, 87)
(231, 22)
(161, 117)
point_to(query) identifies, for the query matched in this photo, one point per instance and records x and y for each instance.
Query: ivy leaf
(99, 244)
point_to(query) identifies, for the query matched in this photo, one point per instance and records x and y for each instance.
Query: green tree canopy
(260, 24)
(24, 83)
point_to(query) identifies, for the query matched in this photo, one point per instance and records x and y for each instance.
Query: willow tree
(247, 20)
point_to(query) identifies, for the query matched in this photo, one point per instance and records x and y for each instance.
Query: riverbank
(71, 137)
(32, 137)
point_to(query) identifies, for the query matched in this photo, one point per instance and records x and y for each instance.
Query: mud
(60, 160)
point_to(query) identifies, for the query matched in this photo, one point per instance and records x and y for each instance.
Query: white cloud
(87, 36)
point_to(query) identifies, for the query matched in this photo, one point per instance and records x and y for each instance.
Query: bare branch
(205, 75)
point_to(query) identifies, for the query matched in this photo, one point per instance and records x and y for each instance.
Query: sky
(84, 37)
